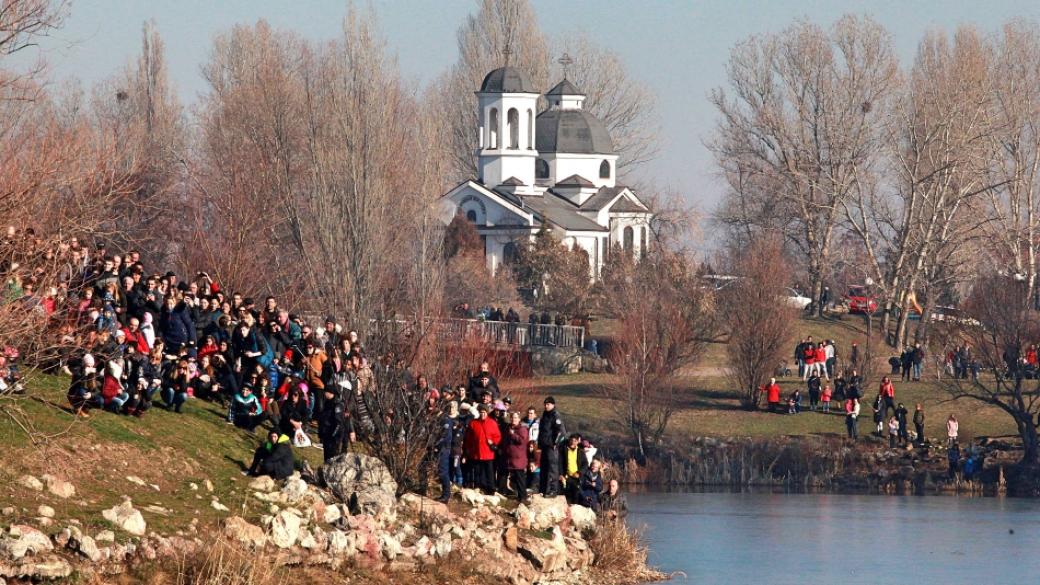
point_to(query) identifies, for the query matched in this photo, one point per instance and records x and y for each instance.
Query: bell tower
(508, 105)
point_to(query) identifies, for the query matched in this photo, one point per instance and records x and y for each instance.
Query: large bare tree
(799, 122)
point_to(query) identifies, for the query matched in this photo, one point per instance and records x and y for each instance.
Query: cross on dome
(566, 61)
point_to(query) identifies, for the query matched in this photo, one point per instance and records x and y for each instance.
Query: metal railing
(520, 334)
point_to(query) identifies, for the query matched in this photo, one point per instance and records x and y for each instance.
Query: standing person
(591, 485)
(809, 357)
(851, 417)
(574, 464)
(550, 432)
(832, 358)
(531, 422)
(888, 394)
(480, 444)
(333, 424)
(893, 431)
(773, 395)
(952, 429)
(879, 417)
(904, 432)
(954, 458)
(515, 441)
(814, 391)
(799, 357)
(906, 362)
(919, 423)
(444, 451)
(612, 503)
(828, 393)
(820, 358)
(917, 359)
(854, 356)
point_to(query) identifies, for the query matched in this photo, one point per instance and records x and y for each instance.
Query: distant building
(557, 168)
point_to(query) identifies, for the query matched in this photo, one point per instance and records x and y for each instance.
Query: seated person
(245, 411)
(274, 457)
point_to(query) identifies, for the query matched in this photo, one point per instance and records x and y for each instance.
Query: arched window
(509, 253)
(604, 170)
(541, 169)
(530, 130)
(493, 129)
(628, 237)
(471, 215)
(513, 120)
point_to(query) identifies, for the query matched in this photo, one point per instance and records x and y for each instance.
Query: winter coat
(515, 442)
(773, 393)
(888, 389)
(550, 430)
(479, 432)
(176, 326)
(279, 462)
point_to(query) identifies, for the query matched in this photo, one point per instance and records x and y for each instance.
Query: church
(557, 169)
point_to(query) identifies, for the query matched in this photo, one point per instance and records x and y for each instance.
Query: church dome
(507, 80)
(571, 131)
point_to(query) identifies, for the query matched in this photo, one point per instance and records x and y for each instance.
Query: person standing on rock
(952, 429)
(550, 432)
(444, 450)
(904, 430)
(574, 464)
(515, 452)
(333, 423)
(481, 442)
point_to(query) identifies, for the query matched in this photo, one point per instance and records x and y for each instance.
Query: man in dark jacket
(904, 435)
(274, 457)
(445, 450)
(175, 325)
(919, 423)
(333, 424)
(550, 431)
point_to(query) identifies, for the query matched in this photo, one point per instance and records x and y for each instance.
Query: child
(893, 432)
(827, 394)
(794, 403)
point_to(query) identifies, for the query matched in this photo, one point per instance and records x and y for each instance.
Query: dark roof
(564, 87)
(574, 181)
(507, 80)
(561, 212)
(574, 131)
(513, 181)
(626, 205)
(602, 197)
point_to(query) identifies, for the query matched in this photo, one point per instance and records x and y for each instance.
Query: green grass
(97, 455)
(710, 406)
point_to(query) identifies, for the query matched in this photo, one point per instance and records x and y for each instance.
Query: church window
(509, 253)
(530, 130)
(513, 120)
(471, 215)
(541, 169)
(604, 170)
(628, 237)
(493, 130)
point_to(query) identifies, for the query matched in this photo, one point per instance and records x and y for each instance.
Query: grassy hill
(164, 449)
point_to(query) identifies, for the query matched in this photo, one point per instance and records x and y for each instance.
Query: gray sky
(678, 48)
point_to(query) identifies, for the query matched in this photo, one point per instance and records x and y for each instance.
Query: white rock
(209, 485)
(582, 518)
(25, 540)
(263, 483)
(126, 517)
(30, 482)
(542, 513)
(442, 548)
(45, 511)
(285, 529)
(331, 514)
(88, 548)
(105, 536)
(343, 543)
(218, 506)
(193, 486)
(390, 547)
(236, 528)
(294, 489)
(59, 487)
(136, 480)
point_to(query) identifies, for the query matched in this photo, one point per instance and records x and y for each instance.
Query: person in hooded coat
(274, 457)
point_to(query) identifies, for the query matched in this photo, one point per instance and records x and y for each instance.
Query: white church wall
(563, 165)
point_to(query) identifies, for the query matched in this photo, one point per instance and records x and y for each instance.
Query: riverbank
(824, 463)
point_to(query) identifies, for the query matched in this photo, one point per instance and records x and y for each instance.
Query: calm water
(840, 539)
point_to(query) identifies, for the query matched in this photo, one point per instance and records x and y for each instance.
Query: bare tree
(1004, 325)
(757, 317)
(668, 322)
(801, 121)
(22, 22)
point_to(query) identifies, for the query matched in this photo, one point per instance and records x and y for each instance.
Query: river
(807, 539)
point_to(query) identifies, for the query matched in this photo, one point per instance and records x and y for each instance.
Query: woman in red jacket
(820, 361)
(888, 394)
(809, 357)
(481, 442)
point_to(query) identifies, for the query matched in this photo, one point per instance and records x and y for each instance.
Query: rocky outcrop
(362, 482)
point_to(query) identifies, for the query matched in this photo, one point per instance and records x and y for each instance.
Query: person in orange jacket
(773, 395)
(888, 394)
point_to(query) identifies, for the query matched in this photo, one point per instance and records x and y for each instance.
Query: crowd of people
(134, 341)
